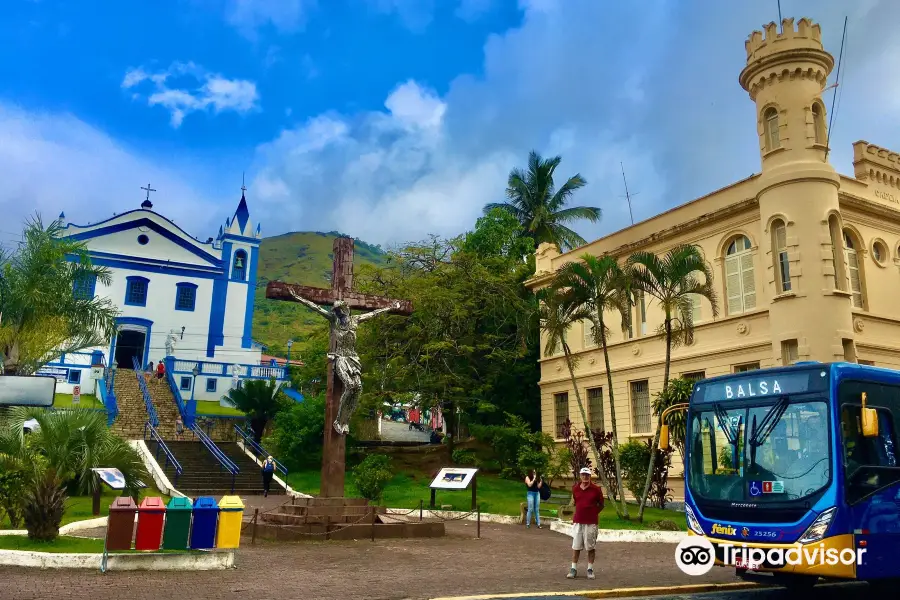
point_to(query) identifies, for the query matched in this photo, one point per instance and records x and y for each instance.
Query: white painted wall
(157, 248)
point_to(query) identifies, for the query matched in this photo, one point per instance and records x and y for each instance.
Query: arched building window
(840, 272)
(239, 268)
(819, 123)
(854, 267)
(770, 119)
(780, 256)
(740, 281)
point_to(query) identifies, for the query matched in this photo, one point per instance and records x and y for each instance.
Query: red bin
(151, 515)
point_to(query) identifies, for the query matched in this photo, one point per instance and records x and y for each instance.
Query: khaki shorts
(584, 536)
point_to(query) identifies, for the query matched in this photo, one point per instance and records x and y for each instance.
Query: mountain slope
(305, 258)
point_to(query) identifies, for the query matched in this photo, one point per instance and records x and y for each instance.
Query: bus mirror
(869, 422)
(664, 437)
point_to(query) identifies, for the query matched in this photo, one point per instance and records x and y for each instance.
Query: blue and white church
(177, 297)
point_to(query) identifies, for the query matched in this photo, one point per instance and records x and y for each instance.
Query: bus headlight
(817, 530)
(692, 521)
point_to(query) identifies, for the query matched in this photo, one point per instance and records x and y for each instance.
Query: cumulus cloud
(285, 15)
(210, 91)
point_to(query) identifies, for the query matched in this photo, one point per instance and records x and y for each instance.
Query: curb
(620, 592)
(65, 529)
(625, 535)
(212, 561)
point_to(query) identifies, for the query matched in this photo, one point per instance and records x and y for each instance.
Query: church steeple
(240, 223)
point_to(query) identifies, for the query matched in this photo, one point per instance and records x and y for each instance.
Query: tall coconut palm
(536, 203)
(559, 311)
(44, 313)
(672, 280)
(602, 286)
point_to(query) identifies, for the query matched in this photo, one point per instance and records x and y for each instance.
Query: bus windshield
(776, 451)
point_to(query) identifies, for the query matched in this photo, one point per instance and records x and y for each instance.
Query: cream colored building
(806, 261)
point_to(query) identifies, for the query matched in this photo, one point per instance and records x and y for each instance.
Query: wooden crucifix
(344, 370)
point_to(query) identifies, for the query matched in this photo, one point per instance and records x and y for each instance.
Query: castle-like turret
(801, 242)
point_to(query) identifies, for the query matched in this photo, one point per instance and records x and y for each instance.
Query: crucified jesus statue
(346, 362)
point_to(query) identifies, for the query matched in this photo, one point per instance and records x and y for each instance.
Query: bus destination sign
(762, 385)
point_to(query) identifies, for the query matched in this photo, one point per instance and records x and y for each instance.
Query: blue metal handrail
(151, 434)
(224, 461)
(258, 450)
(176, 393)
(148, 400)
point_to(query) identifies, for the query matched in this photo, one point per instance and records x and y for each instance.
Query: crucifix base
(334, 445)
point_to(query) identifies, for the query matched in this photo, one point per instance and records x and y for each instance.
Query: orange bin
(151, 516)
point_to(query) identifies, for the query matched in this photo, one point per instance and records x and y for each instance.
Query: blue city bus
(801, 455)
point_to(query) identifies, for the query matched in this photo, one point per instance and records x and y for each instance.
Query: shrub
(298, 432)
(665, 525)
(578, 447)
(464, 456)
(607, 461)
(12, 495)
(515, 446)
(634, 457)
(372, 475)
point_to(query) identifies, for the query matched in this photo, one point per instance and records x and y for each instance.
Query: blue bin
(206, 518)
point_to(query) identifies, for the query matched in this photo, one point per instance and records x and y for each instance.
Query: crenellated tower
(801, 241)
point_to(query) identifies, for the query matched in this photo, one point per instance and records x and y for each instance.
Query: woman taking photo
(533, 483)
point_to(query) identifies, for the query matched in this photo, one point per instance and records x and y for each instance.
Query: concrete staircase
(132, 411)
(392, 431)
(202, 475)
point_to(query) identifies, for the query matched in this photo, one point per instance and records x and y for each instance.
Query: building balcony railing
(218, 369)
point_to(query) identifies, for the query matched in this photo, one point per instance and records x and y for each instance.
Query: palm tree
(261, 400)
(559, 311)
(538, 205)
(673, 280)
(43, 316)
(602, 286)
(60, 456)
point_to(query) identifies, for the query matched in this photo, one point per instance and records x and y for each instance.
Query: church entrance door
(130, 345)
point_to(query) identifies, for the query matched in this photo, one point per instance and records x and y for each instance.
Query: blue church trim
(185, 296)
(246, 340)
(242, 214)
(155, 261)
(240, 238)
(133, 290)
(146, 323)
(154, 226)
(216, 335)
(160, 269)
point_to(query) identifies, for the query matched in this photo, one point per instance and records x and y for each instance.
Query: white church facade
(182, 301)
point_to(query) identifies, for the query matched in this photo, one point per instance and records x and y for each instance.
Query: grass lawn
(80, 508)
(62, 544)
(495, 495)
(214, 409)
(87, 401)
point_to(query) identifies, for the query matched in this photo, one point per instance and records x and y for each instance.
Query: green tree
(42, 315)
(677, 392)
(298, 433)
(560, 310)
(261, 400)
(539, 207)
(673, 280)
(601, 286)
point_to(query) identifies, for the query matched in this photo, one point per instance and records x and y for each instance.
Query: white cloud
(470, 10)
(211, 91)
(51, 163)
(416, 15)
(285, 15)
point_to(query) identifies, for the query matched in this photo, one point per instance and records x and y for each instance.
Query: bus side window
(860, 451)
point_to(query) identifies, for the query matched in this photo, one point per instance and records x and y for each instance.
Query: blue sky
(393, 119)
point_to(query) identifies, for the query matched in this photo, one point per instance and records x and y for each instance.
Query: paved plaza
(506, 559)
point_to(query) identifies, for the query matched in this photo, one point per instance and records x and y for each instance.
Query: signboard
(114, 478)
(61, 374)
(27, 391)
(76, 395)
(97, 373)
(453, 478)
(761, 385)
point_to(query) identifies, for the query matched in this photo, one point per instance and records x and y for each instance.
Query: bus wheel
(795, 582)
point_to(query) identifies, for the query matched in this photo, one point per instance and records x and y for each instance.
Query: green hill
(301, 257)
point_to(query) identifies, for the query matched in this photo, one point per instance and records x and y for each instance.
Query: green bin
(176, 534)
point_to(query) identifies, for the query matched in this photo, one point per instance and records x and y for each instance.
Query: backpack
(544, 492)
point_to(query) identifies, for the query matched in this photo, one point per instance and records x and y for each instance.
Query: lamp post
(287, 365)
(112, 379)
(195, 371)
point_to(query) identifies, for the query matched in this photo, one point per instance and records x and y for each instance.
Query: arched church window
(819, 123)
(740, 280)
(840, 273)
(780, 256)
(773, 139)
(239, 269)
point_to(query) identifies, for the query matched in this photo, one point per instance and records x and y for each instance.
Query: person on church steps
(148, 372)
(268, 472)
(588, 499)
(160, 371)
(533, 483)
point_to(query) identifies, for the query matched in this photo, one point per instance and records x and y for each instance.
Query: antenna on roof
(837, 82)
(627, 195)
(780, 24)
(243, 186)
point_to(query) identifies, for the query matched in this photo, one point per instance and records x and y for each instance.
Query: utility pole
(627, 195)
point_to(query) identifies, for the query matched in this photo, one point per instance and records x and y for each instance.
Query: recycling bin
(151, 514)
(231, 517)
(176, 534)
(206, 516)
(120, 525)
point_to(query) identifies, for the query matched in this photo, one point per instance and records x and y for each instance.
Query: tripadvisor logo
(696, 555)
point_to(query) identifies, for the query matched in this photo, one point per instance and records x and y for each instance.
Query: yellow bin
(231, 517)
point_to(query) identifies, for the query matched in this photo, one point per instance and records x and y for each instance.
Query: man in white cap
(588, 499)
